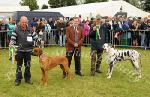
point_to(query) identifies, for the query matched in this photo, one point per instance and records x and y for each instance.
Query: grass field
(122, 83)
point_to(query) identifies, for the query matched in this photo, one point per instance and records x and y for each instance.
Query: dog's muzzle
(32, 53)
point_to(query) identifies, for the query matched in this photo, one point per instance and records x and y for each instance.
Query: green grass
(121, 84)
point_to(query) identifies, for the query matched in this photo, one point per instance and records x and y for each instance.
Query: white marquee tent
(103, 8)
(7, 11)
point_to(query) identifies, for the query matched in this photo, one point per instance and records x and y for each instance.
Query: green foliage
(135, 3)
(143, 4)
(61, 3)
(127, 0)
(147, 5)
(44, 6)
(31, 3)
(93, 1)
(120, 85)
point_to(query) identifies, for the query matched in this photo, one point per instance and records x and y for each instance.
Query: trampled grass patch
(122, 84)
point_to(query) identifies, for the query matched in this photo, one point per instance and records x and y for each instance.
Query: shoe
(79, 73)
(17, 83)
(10, 59)
(98, 71)
(29, 82)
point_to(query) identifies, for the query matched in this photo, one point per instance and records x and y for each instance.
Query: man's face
(76, 22)
(23, 22)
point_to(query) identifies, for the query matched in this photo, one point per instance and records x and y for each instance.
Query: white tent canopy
(14, 8)
(103, 8)
(9, 10)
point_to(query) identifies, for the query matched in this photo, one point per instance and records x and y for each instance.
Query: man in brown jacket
(74, 40)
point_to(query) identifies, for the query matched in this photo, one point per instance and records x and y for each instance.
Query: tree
(147, 5)
(80, 2)
(127, 0)
(143, 4)
(31, 3)
(61, 3)
(93, 1)
(44, 6)
(134, 2)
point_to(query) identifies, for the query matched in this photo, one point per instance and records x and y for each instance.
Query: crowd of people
(53, 31)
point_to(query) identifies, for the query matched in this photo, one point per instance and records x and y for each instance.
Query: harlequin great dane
(114, 56)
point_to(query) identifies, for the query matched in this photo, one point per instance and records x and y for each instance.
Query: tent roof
(103, 8)
(14, 8)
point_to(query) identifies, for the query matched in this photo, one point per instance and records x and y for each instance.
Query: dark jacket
(98, 44)
(23, 39)
(144, 26)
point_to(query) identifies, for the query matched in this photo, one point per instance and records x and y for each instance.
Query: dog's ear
(40, 51)
(111, 45)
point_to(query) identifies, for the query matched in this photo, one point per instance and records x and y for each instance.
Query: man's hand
(76, 45)
(10, 44)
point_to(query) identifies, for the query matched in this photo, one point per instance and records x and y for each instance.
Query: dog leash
(12, 54)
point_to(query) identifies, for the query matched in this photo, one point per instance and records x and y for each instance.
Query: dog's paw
(139, 76)
(45, 84)
(108, 77)
(69, 78)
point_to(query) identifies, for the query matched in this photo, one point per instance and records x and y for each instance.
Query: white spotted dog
(114, 56)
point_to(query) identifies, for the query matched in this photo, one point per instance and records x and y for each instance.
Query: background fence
(130, 38)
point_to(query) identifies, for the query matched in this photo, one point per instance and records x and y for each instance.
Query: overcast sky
(16, 2)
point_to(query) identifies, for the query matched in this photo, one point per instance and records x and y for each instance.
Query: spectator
(56, 34)
(11, 28)
(34, 22)
(41, 33)
(135, 35)
(86, 32)
(51, 23)
(147, 38)
(61, 29)
(3, 33)
(107, 28)
(48, 33)
(144, 26)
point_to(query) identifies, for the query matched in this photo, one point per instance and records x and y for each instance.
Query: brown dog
(48, 63)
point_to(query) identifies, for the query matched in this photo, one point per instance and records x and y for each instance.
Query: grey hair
(21, 19)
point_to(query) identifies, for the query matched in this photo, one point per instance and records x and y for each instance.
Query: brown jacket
(70, 37)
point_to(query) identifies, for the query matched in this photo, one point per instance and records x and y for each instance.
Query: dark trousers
(26, 57)
(2, 39)
(77, 57)
(96, 59)
(56, 37)
(147, 39)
